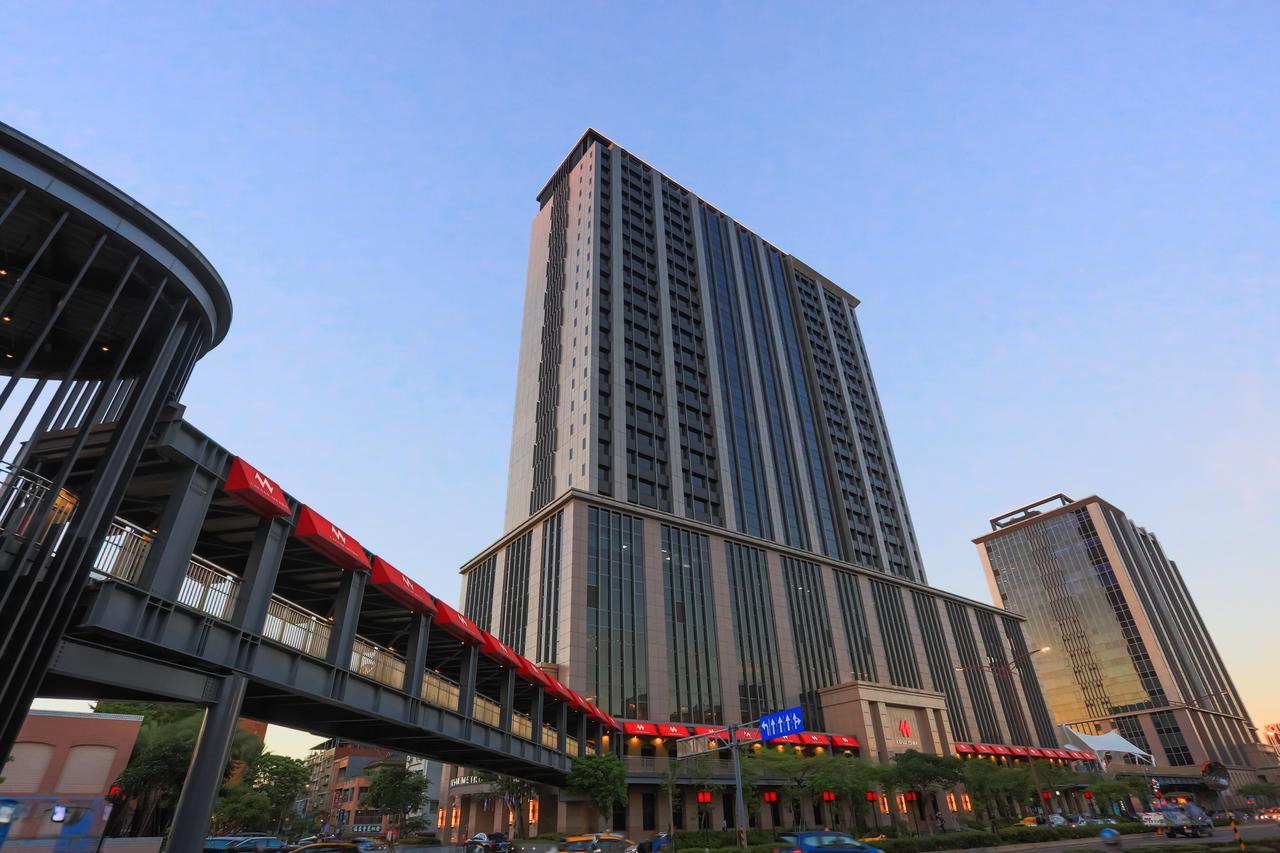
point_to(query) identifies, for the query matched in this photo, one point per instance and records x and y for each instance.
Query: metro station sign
(249, 486)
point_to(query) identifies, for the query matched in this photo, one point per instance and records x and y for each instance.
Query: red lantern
(1088, 795)
(769, 796)
(911, 796)
(1044, 795)
(828, 796)
(872, 796)
(704, 797)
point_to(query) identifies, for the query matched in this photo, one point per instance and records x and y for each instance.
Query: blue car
(814, 842)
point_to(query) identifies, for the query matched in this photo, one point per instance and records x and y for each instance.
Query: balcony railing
(123, 551)
(571, 745)
(290, 625)
(661, 763)
(485, 710)
(373, 661)
(521, 725)
(21, 494)
(209, 588)
(550, 737)
(440, 691)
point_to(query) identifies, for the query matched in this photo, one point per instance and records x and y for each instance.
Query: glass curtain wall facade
(1133, 653)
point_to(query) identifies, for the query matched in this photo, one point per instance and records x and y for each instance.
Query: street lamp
(1004, 669)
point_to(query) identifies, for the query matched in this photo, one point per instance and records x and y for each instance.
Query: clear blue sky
(1062, 220)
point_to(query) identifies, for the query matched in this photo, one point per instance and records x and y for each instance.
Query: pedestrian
(942, 826)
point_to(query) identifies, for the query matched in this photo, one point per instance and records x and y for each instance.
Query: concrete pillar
(177, 532)
(208, 764)
(346, 618)
(259, 582)
(415, 654)
(562, 726)
(506, 704)
(536, 714)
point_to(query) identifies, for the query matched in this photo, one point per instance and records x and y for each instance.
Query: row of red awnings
(259, 493)
(1025, 751)
(640, 727)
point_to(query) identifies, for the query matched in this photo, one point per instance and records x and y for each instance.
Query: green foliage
(1107, 791)
(603, 779)
(396, 790)
(992, 786)
(919, 771)
(240, 807)
(1259, 790)
(280, 778)
(513, 789)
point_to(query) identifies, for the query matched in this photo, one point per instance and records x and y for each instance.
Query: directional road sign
(781, 724)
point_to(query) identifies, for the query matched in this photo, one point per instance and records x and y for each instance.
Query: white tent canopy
(1111, 742)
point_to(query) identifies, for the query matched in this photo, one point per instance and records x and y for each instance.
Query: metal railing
(123, 551)
(209, 588)
(440, 691)
(550, 737)
(373, 661)
(21, 494)
(521, 725)
(290, 625)
(485, 710)
(571, 745)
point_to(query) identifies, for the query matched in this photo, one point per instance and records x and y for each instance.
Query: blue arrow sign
(781, 723)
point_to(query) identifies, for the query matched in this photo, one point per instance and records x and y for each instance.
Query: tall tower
(1136, 655)
(673, 359)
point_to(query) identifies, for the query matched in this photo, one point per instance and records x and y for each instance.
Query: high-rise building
(1136, 656)
(705, 521)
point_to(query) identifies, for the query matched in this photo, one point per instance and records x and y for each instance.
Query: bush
(944, 841)
(715, 839)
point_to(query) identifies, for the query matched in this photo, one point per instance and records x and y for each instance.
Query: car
(812, 842)
(242, 842)
(1187, 820)
(499, 843)
(369, 845)
(330, 847)
(604, 842)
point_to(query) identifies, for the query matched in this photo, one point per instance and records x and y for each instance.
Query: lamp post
(1004, 669)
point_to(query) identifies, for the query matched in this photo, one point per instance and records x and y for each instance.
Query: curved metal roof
(75, 185)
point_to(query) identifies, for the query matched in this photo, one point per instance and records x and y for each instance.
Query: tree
(1259, 790)
(603, 780)
(993, 787)
(928, 774)
(240, 807)
(846, 777)
(396, 790)
(1108, 791)
(788, 768)
(514, 791)
(157, 769)
(281, 779)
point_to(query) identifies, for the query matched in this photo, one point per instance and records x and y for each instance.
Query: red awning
(1018, 750)
(964, 748)
(814, 739)
(984, 748)
(530, 673)
(636, 727)
(456, 625)
(1089, 756)
(558, 689)
(578, 702)
(498, 651)
(1000, 750)
(255, 490)
(325, 537)
(752, 734)
(610, 722)
(401, 588)
(780, 739)
(844, 740)
(672, 730)
(1035, 753)
(711, 731)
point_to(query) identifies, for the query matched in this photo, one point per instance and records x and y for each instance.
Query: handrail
(571, 745)
(290, 625)
(550, 737)
(21, 494)
(373, 661)
(209, 588)
(440, 691)
(521, 725)
(124, 550)
(485, 710)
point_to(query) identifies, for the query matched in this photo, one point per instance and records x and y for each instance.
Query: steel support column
(467, 681)
(179, 528)
(507, 701)
(208, 764)
(260, 574)
(415, 657)
(562, 729)
(346, 617)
